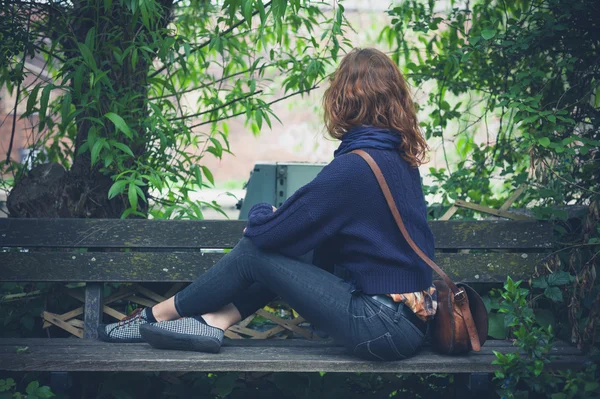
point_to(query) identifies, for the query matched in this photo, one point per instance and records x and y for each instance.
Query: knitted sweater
(343, 216)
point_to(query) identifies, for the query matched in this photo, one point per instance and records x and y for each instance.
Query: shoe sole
(163, 339)
(103, 336)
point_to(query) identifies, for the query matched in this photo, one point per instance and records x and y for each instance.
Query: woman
(382, 311)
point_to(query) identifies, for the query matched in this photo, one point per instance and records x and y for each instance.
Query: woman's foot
(128, 329)
(188, 334)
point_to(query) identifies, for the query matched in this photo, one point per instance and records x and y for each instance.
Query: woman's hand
(274, 209)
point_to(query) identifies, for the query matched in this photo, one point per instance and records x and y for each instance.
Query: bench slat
(140, 357)
(116, 233)
(8, 345)
(186, 266)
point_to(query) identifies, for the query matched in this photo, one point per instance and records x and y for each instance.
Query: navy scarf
(368, 137)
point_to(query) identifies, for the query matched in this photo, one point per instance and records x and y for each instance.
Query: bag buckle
(460, 295)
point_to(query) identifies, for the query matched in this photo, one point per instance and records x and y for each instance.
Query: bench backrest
(113, 250)
(97, 251)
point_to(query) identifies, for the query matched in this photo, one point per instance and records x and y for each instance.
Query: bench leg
(60, 381)
(475, 385)
(93, 309)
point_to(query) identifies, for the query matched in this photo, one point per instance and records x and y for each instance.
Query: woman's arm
(311, 215)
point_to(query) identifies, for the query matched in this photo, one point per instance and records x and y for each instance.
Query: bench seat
(71, 354)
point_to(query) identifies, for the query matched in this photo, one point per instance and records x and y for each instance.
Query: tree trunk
(50, 191)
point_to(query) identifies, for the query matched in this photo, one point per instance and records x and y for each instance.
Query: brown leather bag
(461, 322)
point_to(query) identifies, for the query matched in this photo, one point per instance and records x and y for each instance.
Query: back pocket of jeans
(381, 348)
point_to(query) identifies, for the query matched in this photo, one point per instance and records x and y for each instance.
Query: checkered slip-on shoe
(187, 334)
(126, 330)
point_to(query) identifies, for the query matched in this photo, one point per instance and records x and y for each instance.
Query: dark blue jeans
(249, 278)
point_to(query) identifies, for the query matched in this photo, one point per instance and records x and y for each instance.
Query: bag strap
(460, 297)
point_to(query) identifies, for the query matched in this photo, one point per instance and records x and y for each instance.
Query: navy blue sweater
(343, 216)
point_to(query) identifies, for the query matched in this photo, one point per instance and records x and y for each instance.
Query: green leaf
(87, 55)
(559, 278)
(32, 99)
(66, 107)
(140, 193)
(247, 10)
(117, 188)
(198, 175)
(132, 195)
(32, 387)
(44, 392)
(540, 282)
(108, 159)
(208, 175)
(487, 302)
(155, 181)
(278, 7)
(123, 148)
(225, 384)
(78, 80)
(134, 58)
(90, 38)
(591, 386)
(488, 33)
(544, 141)
(98, 145)
(119, 123)
(44, 105)
(554, 293)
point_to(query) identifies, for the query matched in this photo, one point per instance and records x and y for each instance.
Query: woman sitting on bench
(382, 311)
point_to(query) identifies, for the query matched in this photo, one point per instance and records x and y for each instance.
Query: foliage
(513, 97)
(525, 372)
(521, 74)
(547, 287)
(260, 385)
(124, 78)
(32, 391)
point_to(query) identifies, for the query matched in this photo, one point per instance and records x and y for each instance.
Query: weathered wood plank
(291, 325)
(186, 266)
(492, 211)
(8, 345)
(193, 234)
(92, 316)
(492, 234)
(117, 233)
(52, 318)
(144, 351)
(65, 316)
(140, 357)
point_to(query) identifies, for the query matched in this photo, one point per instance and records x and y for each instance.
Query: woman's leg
(317, 295)
(365, 326)
(243, 305)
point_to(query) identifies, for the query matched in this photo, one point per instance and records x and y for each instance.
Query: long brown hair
(368, 89)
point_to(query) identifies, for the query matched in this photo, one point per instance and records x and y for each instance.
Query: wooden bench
(141, 251)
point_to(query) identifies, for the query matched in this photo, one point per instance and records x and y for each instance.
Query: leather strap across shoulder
(459, 295)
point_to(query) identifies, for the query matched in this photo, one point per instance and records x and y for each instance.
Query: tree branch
(207, 42)
(43, 50)
(268, 104)
(205, 85)
(216, 108)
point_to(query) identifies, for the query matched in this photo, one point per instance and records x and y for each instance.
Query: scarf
(368, 137)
